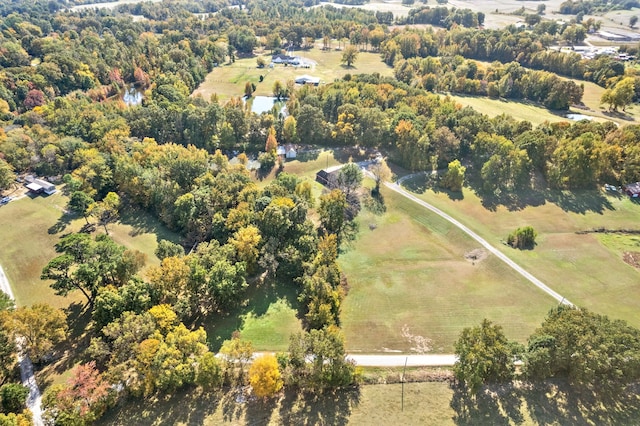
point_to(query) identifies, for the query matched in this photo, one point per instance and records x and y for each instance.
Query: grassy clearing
(31, 228)
(411, 271)
(536, 114)
(577, 266)
(519, 110)
(229, 80)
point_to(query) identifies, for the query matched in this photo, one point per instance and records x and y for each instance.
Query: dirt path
(34, 400)
(542, 286)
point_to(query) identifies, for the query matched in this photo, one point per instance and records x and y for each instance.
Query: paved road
(34, 400)
(542, 286)
(394, 359)
(398, 360)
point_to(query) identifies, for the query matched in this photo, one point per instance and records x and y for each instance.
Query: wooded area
(63, 75)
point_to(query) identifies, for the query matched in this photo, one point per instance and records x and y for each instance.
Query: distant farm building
(38, 186)
(282, 59)
(307, 79)
(290, 152)
(613, 36)
(328, 177)
(632, 189)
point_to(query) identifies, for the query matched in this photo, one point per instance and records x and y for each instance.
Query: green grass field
(430, 403)
(32, 227)
(228, 80)
(519, 110)
(410, 271)
(578, 266)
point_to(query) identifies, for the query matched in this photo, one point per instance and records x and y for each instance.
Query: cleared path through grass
(397, 188)
(34, 400)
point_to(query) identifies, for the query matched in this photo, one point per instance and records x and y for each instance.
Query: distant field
(410, 271)
(577, 266)
(538, 114)
(518, 110)
(228, 80)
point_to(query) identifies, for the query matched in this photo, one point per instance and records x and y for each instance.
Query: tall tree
(484, 356)
(329, 367)
(107, 210)
(6, 174)
(40, 326)
(80, 202)
(349, 55)
(82, 400)
(264, 376)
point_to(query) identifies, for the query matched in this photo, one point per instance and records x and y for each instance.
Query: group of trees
(499, 80)
(37, 329)
(166, 157)
(596, 354)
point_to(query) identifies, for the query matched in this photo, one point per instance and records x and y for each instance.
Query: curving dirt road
(542, 286)
(34, 400)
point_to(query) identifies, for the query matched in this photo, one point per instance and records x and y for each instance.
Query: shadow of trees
(549, 402)
(427, 181)
(233, 406)
(259, 297)
(579, 201)
(325, 408)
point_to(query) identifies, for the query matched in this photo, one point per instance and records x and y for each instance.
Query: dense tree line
(510, 80)
(596, 354)
(586, 7)
(443, 17)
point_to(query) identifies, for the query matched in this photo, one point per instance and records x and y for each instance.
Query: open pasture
(576, 265)
(519, 110)
(414, 277)
(32, 226)
(228, 80)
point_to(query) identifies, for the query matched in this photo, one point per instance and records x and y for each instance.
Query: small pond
(260, 104)
(132, 96)
(578, 117)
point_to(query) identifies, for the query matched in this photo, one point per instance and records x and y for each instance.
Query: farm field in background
(228, 80)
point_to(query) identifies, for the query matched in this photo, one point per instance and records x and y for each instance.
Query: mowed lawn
(32, 226)
(578, 266)
(410, 272)
(519, 110)
(228, 80)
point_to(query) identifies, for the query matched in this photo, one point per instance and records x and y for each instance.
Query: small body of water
(260, 104)
(578, 117)
(132, 96)
(107, 5)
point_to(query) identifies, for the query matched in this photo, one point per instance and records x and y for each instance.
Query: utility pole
(402, 380)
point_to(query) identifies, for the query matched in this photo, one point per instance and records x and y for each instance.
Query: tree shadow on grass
(304, 156)
(190, 406)
(547, 402)
(420, 184)
(142, 222)
(322, 408)
(259, 297)
(577, 201)
(63, 221)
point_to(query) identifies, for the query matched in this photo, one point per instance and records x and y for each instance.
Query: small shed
(632, 189)
(291, 152)
(281, 151)
(328, 177)
(307, 79)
